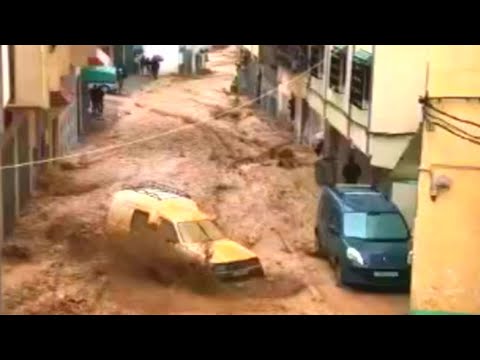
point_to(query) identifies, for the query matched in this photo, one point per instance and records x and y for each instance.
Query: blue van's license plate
(385, 274)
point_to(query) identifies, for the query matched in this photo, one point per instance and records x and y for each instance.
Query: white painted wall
(404, 195)
(170, 54)
(399, 79)
(4, 76)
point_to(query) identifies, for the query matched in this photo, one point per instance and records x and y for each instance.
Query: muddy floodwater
(242, 168)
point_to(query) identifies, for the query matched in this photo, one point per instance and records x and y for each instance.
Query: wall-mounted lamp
(439, 184)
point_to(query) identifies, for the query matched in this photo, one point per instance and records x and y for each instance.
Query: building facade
(39, 116)
(366, 100)
(446, 272)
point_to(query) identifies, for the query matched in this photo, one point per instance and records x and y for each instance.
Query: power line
(453, 117)
(453, 127)
(446, 128)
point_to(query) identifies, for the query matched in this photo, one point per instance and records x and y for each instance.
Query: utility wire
(446, 128)
(157, 136)
(453, 127)
(453, 117)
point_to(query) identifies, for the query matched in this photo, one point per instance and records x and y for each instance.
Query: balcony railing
(293, 57)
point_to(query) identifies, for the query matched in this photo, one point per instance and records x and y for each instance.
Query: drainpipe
(369, 123)
(1, 177)
(348, 81)
(16, 161)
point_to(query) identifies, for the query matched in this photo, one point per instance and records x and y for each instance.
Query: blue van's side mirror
(325, 172)
(332, 228)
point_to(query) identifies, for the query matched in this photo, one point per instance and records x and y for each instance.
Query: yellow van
(163, 225)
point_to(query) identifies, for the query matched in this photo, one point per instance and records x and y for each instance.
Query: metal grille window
(360, 91)
(293, 57)
(317, 56)
(338, 68)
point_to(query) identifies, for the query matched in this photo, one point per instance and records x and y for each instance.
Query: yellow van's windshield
(199, 231)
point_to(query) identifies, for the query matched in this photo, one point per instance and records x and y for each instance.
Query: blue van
(364, 236)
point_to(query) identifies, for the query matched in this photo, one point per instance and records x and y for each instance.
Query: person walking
(93, 93)
(143, 65)
(100, 97)
(121, 76)
(351, 171)
(156, 60)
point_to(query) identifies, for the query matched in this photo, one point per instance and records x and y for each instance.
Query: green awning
(339, 48)
(363, 57)
(433, 312)
(99, 74)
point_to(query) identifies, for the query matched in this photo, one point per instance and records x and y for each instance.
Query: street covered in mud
(235, 163)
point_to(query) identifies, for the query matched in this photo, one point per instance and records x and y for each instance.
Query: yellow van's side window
(167, 232)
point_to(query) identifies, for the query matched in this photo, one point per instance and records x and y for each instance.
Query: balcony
(292, 57)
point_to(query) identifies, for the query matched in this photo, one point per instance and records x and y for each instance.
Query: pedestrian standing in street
(148, 66)
(101, 95)
(156, 60)
(93, 93)
(351, 171)
(143, 65)
(137, 61)
(121, 76)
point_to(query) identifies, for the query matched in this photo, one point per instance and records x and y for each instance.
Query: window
(317, 56)
(338, 68)
(139, 226)
(334, 219)
(167, 232)
(375, 226)
(360, 90)
(199, 231)
(293, 57)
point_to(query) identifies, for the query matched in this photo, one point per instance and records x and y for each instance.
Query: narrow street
(232, 167)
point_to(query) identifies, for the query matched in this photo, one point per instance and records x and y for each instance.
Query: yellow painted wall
(80, 53)
(445, 79)
(446, 270)
(58, 65)
(31, 81)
